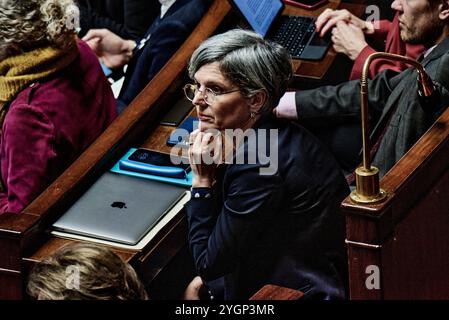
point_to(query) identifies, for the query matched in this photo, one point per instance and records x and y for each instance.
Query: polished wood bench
(273, 292)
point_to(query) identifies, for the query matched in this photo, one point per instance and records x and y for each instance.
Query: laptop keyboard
(294, 33)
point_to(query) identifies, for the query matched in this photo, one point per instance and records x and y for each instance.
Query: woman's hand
(205, 154)
(195, 290)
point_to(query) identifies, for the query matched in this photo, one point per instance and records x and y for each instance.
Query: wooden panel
(10, 251)
(361, 261)
(415, 261)
(11, 283)
(273, 292)
(409, 230)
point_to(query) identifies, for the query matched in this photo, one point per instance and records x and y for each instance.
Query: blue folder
(185, 182)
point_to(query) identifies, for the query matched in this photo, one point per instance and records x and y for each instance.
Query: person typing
(397, 113)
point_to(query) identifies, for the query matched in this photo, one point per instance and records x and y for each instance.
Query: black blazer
(394, 104)
(165, 36)
(129, 19)
(283, 228)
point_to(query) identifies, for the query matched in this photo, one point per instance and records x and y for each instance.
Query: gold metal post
(367, 176)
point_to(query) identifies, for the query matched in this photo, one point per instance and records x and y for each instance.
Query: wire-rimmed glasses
(208, 94)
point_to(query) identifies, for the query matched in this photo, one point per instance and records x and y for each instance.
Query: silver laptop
(119, 208)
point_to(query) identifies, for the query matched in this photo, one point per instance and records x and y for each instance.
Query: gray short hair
(28, 24)
(248, 61)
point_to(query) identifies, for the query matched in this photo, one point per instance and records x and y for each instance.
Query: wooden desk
(24, 238)
(272, 292)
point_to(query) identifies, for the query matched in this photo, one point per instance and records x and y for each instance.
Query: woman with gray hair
(54, 98)
(269, 212)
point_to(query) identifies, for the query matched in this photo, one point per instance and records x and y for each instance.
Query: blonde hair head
(84, 271)
(29, 24)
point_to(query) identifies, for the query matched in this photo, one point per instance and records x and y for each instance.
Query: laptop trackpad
(317, 47)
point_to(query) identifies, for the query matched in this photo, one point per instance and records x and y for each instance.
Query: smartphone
(306, 4)
(180, 136)
(177, 113)
(156, 163)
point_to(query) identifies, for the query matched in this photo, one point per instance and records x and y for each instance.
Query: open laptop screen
(260, 14)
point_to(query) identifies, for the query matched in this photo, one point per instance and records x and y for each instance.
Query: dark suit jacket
(166, 36)
(393, 101)
(129, 19)
(283, 228)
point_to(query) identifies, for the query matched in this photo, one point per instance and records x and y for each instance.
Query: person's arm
(382, 32)
(161, 47)
(350, 41)
(137, 17)
(219, 242)
(169, 36)
(28, 158)
(357, 68)
(167, 41)
(376, 67)
(341, 103)
(329, 18)
(114, 51)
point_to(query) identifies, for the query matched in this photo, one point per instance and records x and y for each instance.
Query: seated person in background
(83, 271)
(398, 115)
(348, 36)
(128, 19)
(165, 36)
(261, 222)
(54, 98)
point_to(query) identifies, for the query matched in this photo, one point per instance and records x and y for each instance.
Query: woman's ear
(257, 101)
(444, 10)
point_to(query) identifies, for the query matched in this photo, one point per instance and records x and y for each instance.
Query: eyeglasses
(208, 94)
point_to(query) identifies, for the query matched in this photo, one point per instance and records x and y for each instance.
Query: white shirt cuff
(287, 106)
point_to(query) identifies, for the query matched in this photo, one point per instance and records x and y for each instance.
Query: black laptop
(295, 33)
